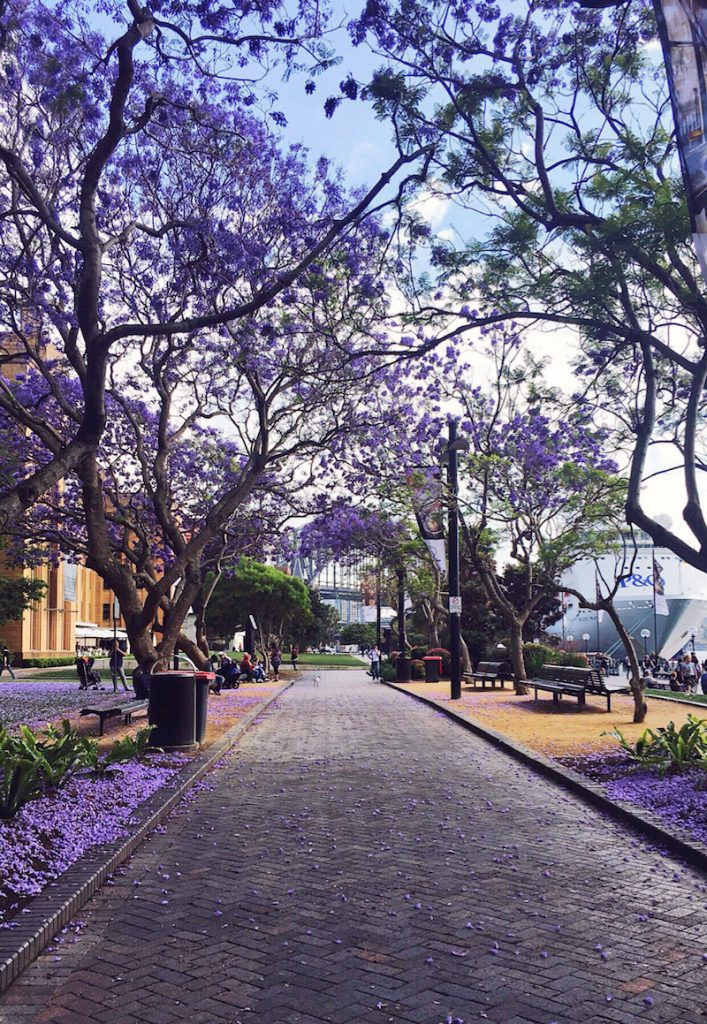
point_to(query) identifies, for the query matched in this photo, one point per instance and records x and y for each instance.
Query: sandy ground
(225, 710)
(557, 731)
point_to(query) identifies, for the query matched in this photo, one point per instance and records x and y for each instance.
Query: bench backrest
(589, 678)
(495, 668)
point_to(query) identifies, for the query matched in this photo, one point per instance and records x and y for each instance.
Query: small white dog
(317, 680)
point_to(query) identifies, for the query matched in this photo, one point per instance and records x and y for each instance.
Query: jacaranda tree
(554, 148)
(164, 261)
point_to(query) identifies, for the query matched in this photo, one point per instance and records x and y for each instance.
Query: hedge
(65, 659)
(537, 655)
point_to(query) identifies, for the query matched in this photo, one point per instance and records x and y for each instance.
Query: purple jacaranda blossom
(51, 833)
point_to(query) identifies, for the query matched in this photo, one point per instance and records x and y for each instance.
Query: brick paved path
(360, 858)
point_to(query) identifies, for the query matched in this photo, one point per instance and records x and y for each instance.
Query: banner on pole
(429, 511)
(682, 25)
(661, 605)
(598, 595)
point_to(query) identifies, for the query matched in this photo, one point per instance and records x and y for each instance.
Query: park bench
(126, 710)
(572, 676)
(490, 672)
(552, 681)
(661, 681)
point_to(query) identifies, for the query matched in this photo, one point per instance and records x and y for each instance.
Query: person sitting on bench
(247, 667)
(141, 681)
(231, 674)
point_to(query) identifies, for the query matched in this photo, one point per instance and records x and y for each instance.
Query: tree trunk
(142, 647)
(640, 708)
(517, 659)
(193, 651)
(467, 668)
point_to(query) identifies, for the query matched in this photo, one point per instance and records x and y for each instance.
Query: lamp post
(570, 639)
(645, 633)
(455, 445)
(585, 637)
(402, 664)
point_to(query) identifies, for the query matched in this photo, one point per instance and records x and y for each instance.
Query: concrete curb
(62, 899)
(642, 821)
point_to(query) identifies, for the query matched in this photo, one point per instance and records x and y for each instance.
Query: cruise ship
(684, 589)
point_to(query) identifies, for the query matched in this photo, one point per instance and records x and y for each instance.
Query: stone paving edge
(642, 821)
(52, 909)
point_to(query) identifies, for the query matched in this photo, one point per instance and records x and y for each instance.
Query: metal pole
(655, 613)
(402, 639)
(379, 638)
(402, 665)
(454, 595)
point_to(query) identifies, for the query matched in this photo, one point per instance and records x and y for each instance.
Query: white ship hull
(685, 592)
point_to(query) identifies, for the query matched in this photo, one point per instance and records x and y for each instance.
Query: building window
(106, 612)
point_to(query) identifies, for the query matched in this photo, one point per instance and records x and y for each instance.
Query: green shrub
(537, 655)
(65, 659)
(31, 762)
(417, 669)
(20, 777)
(416, 653)
(125, 749)
(443, 653)
(667, 747)
(387, 671)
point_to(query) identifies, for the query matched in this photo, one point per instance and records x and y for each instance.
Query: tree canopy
(553, 143)
(275, 600)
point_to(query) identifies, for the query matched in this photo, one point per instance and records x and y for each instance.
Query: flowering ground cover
(35, 703)
(51, 833)
(579, 740)
(48, 835)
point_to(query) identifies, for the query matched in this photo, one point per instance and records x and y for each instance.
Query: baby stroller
(89, 679)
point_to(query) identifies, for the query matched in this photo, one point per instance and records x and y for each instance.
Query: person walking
(116, 666)
(275, 661)
(375, 656)
(294, 655)
(6, 658)
(689, 674)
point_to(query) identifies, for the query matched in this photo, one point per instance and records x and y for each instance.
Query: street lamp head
(585, 636)
(570, 638)
(645, 633)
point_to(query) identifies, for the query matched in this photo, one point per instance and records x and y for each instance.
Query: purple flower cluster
(50, 834)
(678, 800)
(35, 704)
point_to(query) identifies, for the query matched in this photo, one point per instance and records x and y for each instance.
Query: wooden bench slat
(127, 710)
(491, 672)
(589, 679)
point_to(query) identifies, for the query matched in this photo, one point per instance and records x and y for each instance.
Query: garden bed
(52, 832)
(581, 740)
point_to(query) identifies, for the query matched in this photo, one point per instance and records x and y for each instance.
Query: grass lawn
(68, 673)
(692, 698)
(326, 660)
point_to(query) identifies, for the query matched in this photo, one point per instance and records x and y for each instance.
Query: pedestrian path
(359, 858)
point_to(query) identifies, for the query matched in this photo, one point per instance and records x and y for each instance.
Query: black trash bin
(433, 668)
(402, 669)
(203, 681)
(172, 710)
